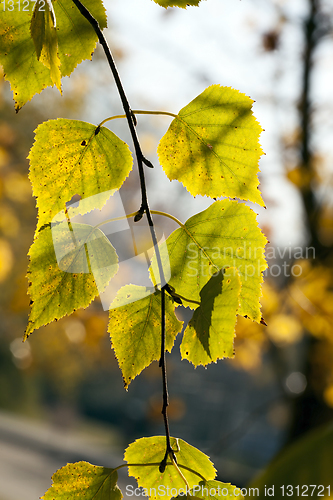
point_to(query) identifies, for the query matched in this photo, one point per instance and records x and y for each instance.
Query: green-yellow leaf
(66, 274)
(168, 484)
(212, 146)
(44, 35)
(84, 481)
(215, 490)
(209, 335)
(68, 158)
(177, 3)
(135, 329)
(76, 41)
(226, 234)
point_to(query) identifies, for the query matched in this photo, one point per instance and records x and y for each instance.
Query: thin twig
(169, 451)
(144, 206)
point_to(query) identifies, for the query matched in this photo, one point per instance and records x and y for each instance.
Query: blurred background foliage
(279, 386)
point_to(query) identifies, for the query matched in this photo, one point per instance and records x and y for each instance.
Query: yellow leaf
(212, 146)
(284, 329)
(44, 34)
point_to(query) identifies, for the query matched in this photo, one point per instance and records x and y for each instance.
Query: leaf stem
(141, 112)
(109, 119)
(181, 474)
(137, 112)
(186, 300)
(157, 212)
(133, 214)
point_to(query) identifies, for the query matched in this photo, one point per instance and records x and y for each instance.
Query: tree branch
(131, 119)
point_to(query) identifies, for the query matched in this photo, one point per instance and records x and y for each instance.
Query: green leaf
(38, 25)
(169, 483)
(215, 490)
(68, 158)
(76, 42)
(226, 234)
(308, 461)
(209, 335)
(60, 284)
(212, 146)
(177, 3)
(45, 38)
(84, 481)
(135, 329)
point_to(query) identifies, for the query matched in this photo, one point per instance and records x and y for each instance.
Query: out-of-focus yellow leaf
(250, 344)
(17, 187)
(300, 177)
(270, 299)
(328, 395)
(9, 223)
(284, 329)
(4, 156)
(326, 226)
(6, 259)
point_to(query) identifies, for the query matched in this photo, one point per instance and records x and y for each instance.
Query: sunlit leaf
(169, 483)
(177, 3)
(135, 329)
(212, 146)
(215, 490)
(85, 481)
(60, 284)
(209, 335)
(68, 158)
(224, 235)
(45, 38)
(306, 462)
(76, 41)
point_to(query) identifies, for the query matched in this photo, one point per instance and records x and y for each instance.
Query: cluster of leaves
(212, 148)
(224, 237)
(195, 479)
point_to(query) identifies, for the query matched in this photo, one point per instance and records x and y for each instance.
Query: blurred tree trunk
(309, 410)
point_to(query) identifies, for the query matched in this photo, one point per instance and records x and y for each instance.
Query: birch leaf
(44, 35)
(152, 450)
(209, 335)
(23, 66)
(60, 285)
(212, 146)
(226, 234)
(135, 329)
(85, 481)
(69, 158)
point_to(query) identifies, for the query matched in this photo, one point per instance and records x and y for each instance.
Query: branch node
(147, 162)
(135, 121)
